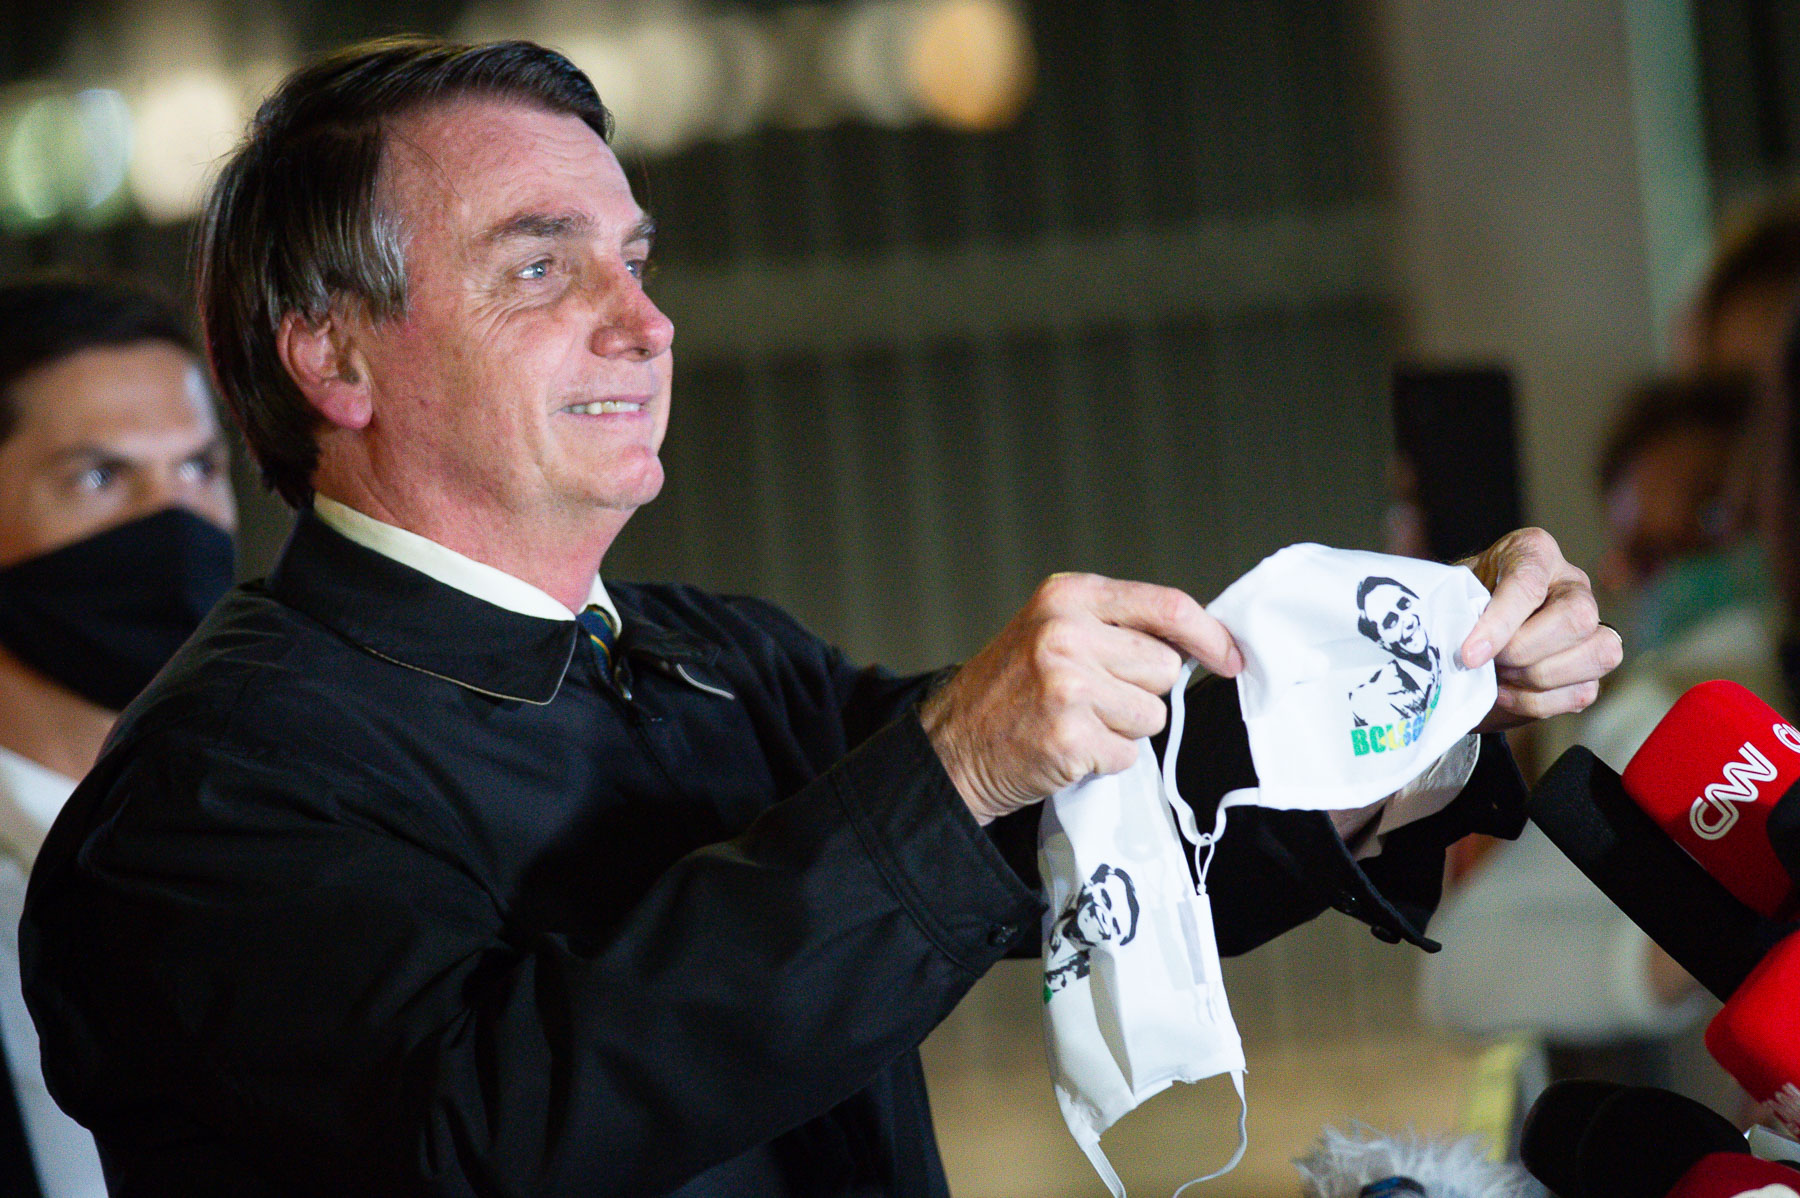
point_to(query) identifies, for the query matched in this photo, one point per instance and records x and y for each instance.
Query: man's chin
(631, 485)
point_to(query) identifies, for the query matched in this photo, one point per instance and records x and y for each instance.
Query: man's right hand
(1068, 688)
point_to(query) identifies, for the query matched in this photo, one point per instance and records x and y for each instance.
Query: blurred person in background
(1678, 475)
(115, 522)
(1530, 945)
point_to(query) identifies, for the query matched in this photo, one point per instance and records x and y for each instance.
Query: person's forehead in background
(106, 435)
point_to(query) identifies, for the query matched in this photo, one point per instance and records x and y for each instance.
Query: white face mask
(1350, 686)
(1348, 693)
(1133, 997)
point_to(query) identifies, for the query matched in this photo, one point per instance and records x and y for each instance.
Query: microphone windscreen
(1709, 774)
(1732, 1175)
(1582, 807)
(1553, 1129)
(1641, 1140)
(1756, 1036)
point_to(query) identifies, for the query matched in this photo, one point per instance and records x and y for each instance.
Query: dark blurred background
(968, 291)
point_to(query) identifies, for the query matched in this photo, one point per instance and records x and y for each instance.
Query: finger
(1567, 618)
(1149, 663)
(1520, 589)
(1521, 569)
(1527, 705)
(1128, 711)
(1588, 661)
(1170, 615)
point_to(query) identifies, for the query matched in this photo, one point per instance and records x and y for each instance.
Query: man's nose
(629, 322)
(159, 490)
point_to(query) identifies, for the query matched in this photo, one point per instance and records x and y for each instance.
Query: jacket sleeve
(281, 958)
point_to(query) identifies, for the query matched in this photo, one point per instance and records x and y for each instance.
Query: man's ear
(322, 358)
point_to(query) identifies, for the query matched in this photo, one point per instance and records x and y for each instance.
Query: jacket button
(1002, 933)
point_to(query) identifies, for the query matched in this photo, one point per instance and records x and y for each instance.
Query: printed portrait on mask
(1404, 688)
(1106, 908)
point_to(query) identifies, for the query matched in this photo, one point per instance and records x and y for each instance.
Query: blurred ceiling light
(38, 137)
(61, 157)
(608, 65)
(750, 74)
(681, 64)
(867, 61)
(106, 130)
(674, 72)
(970, 64)
(186, 122)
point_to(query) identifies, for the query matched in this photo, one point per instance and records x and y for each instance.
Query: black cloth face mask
(102, 615)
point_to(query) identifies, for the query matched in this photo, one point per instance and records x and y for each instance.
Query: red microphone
(1709, 775)
(1735, 1175)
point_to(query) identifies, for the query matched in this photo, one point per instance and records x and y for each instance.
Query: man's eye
(96, 478)
(537, 270)
(641, 268)
(1391, 620)
(201, 468)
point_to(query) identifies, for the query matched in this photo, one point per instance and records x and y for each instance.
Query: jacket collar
(411, 619)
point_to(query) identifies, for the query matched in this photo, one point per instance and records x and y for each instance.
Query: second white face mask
(1133, 997)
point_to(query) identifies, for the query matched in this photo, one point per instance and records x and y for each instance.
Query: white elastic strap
(1184, 814)
(1237, 1080)
(1090, 1145)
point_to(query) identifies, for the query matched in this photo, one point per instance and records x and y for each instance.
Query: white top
(68, 1166)
(452, 568)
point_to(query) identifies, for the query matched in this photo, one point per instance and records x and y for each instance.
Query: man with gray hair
(435, 865)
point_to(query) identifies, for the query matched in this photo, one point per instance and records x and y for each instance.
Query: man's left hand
(1541, 629)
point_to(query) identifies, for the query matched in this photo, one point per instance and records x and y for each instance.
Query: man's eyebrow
(103, 453)
(538, 225)
(544, 226)
(86, 453)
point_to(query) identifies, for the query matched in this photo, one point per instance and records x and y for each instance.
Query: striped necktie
(597, 622)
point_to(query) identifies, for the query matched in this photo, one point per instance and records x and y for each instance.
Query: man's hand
(1542, 629)
(1068, 688)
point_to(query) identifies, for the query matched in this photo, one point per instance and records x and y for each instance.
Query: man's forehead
(143, 398)
(480, 161)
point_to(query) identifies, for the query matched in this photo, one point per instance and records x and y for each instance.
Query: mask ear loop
(1203, 855)
(1202, 843)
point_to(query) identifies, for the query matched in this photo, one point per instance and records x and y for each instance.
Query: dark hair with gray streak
(295, 222)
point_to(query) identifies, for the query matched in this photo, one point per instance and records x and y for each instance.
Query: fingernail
(1474, 651)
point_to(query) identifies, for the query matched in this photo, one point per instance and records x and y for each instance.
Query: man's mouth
(605, 407)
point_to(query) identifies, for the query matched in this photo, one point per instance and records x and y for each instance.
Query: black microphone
(1553, 1128)
(1589, 1139)
(1583, 808)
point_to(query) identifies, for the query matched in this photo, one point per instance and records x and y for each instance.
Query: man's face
(529, 377)
(1396, 618)
(1106, 913)
(1669, 502)
(104, 436)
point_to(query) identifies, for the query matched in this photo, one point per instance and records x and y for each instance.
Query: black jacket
(381, 889)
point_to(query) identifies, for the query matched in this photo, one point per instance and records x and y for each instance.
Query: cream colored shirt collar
(452, 568)
(30, 797)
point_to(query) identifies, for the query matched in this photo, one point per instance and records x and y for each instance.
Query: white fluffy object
(1341, 1164)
